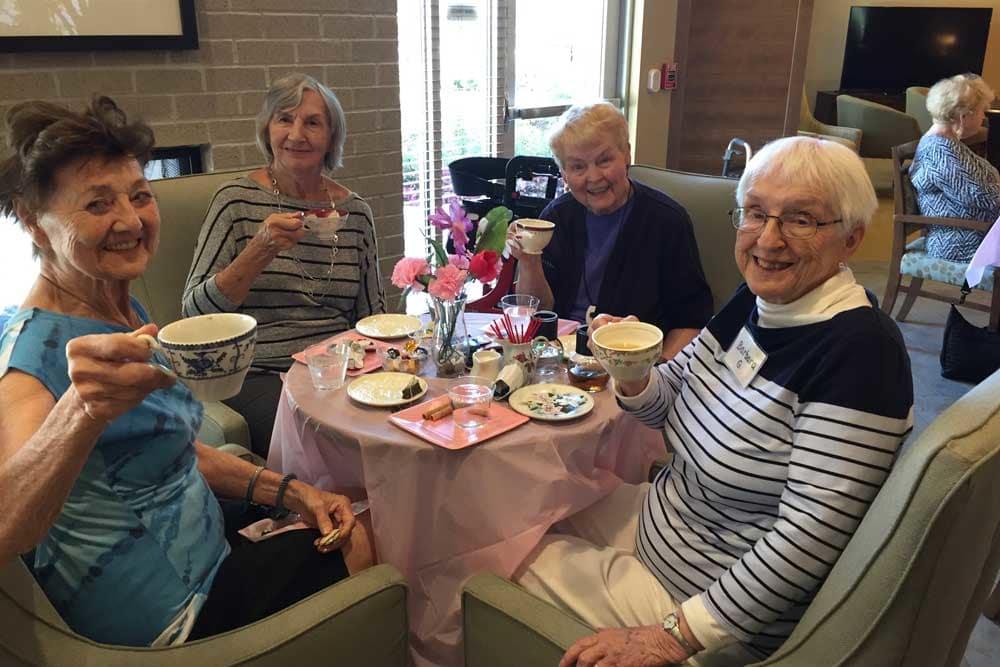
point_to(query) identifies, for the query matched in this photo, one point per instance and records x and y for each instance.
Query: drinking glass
(470, 401)
(519, 308)
(549, 363)
(329, 368)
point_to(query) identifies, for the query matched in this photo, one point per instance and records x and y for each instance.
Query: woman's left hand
(646, 646)
(323, 510)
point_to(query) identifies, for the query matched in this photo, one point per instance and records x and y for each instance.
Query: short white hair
(830, 169)
(585, 123)
(950, 98)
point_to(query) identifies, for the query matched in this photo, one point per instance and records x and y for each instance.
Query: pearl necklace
(308, 279)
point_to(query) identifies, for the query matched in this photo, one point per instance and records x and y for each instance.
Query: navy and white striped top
(768, 483)
(289, 319)
(953, 182)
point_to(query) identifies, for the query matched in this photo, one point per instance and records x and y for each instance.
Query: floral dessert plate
(389, 325)
(551, 402)
(387, 389)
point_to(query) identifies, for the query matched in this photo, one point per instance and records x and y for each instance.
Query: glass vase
(449, 336)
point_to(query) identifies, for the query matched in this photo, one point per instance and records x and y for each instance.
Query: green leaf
(402, 299)
(492, 233)
(440, 256)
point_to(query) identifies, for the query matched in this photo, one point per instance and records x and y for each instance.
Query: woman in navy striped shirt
(775, 463)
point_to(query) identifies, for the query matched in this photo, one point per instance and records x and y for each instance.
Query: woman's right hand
(625, 388)
(281, 231)
(110, 374)
(513, 243)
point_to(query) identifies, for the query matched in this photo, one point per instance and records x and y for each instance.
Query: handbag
(968, 353)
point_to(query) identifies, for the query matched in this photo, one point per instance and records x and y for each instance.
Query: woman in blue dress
(951, 181)
(100, 473)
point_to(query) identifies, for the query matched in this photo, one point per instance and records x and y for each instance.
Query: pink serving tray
(372, 362)
(444, 433)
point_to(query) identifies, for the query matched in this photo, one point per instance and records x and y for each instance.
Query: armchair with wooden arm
(909, 256)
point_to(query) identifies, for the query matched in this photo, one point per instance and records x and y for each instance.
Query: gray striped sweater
(289, 320)
(769, 482)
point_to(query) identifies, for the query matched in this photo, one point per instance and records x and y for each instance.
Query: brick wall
(210, 96)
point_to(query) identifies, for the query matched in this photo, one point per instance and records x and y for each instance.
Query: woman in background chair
(618, 246)
(256, 256)
(784, 416)
(950, 180)
(102, 475)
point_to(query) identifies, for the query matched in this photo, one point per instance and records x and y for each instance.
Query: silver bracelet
(248, 499)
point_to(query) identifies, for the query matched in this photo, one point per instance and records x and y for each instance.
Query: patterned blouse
(953, 182)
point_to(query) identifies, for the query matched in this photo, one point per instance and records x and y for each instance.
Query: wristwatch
(673, 625)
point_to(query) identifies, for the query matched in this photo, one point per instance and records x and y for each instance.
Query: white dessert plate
(385, 389)
(388, 325)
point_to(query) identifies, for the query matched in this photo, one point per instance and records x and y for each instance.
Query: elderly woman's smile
(779, 269)
(103, 221)
(597, 175)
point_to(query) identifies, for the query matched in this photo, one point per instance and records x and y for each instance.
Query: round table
(439, 515)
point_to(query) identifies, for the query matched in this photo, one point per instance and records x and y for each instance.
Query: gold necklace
(86, 303)
(307, 278)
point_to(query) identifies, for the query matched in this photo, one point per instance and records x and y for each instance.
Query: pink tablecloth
(988, 254)
(439, 515)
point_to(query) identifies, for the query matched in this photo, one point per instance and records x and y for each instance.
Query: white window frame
(614, 65)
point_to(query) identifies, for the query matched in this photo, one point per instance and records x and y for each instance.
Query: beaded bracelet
(280, 511)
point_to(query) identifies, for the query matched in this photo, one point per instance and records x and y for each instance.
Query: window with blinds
(488, 78)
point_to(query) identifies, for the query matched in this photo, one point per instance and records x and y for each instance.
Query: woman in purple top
(618, 247)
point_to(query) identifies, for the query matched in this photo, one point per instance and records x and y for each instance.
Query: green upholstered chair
(183, 202)
(360, 621)
(809, 126)
(907, 590)
(882, 128)
(916, 106)
(708, 200)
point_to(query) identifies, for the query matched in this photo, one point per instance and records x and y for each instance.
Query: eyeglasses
(799, 225)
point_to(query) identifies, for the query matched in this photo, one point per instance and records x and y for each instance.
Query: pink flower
(455, 221)
(459, 261)
(407, 270)
(448, 282)
(485, 265)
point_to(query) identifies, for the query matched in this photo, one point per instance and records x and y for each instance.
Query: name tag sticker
(744, 358)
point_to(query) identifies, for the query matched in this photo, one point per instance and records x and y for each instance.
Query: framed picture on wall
(84, 25)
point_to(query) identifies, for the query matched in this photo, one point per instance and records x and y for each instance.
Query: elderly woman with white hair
(950, 180)
(785, 414)
(256, 255)
(619, 246)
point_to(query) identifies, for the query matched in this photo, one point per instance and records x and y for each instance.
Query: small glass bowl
(398, 359)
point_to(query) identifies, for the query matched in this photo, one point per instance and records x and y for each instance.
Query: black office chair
(478, 182)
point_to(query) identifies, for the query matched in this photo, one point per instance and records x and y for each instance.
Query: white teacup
(533, 235)
(324, 227)
(627, 350)
(211, 354)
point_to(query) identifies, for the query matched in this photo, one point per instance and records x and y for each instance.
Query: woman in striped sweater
(256, 255)
(784, 414)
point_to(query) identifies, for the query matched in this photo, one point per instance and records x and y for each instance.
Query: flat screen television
(891, 48)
